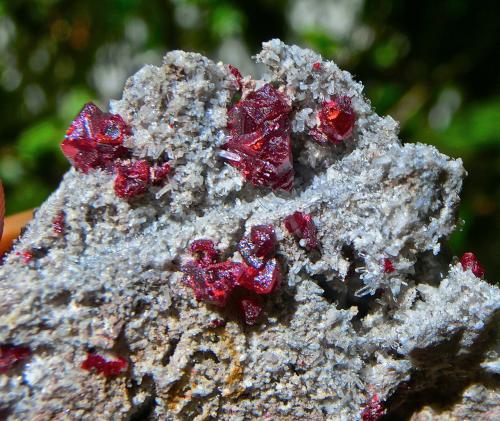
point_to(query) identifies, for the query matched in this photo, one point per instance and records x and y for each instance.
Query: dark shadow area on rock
(143, 411)
(441, 375)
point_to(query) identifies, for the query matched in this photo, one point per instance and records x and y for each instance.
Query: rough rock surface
(339, 330)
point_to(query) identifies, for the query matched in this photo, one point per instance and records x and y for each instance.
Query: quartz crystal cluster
(234, 248)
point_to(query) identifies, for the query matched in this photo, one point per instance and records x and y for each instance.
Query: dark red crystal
(160, 172)
(388, 266)
(301, 225)
(108, 368)
(317, 66)
(58, 223)
(10, 355)
(213, 284)
(250, 309)
(95, 139)
(374, 410)
(470, 261)
(258, 246)
(205, 251)
(132, 178)
(237, 75)
(336, 121)
(259, 139)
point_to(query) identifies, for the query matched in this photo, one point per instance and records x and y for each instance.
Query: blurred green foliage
(429, 64)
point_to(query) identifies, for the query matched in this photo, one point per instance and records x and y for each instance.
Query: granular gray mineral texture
(340, 331)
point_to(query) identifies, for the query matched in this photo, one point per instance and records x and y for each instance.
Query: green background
(429, 64)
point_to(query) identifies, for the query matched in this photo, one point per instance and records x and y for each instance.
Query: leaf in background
(227, 20)
(40, 139)
(474, 127)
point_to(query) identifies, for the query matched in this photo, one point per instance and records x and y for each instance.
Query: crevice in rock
(143, 411)
(165, 360)
(430, 269)
(342, 293)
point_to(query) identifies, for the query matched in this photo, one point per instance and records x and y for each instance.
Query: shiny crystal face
(94, 139)
(336, 121)
(470, 261)
(259, 139)
(259, 246)
(301, 226)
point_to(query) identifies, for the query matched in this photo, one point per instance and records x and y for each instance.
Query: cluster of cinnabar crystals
(259, 139)
(108, 368)
(95, 140)
(374, 410)
(336, 120)
(470, 261)
(10, 355)
(215, 282)
(301, 226)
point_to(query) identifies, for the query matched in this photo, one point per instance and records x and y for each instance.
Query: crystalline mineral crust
(338, 331)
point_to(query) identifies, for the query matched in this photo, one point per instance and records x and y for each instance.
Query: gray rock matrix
(338, 332)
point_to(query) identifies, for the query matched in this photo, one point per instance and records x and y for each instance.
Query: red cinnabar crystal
(259, 139)
(336, 121)
(267, 280)
(94, 139)
(374, 410)
(213, 284)
(27, 256)
(302, 226)
(236, 73)
(58, 223)
(132, 178)
(470, 261)
(388, 266)
(160, 172)
(259, 246)
(10, 355)
(250, 309)
(109, 368)
(205, 251)
(317, 66)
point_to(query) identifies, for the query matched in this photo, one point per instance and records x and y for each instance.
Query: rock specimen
(369, 317)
